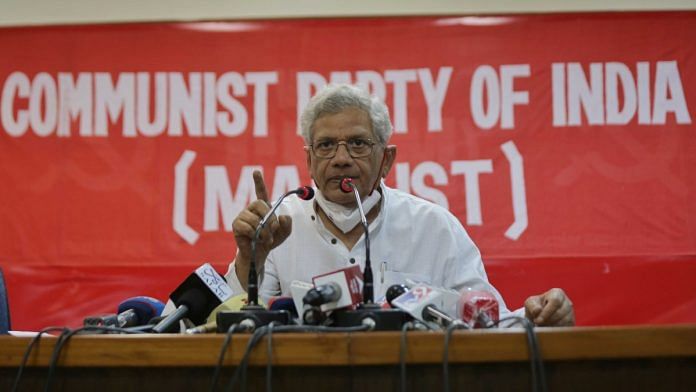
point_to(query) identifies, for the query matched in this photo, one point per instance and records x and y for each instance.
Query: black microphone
(304, 193)
(368, 280)
(195, 298)
(393, 292)
(322, 294)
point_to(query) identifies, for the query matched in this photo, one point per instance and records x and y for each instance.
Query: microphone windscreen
(201, 292)
(198, 305)
(145, 308)
(473, 304)
(347, 185)
(283, 303)
(305, 192)
(394, 291)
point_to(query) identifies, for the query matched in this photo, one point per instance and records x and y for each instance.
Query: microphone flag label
(416, 298)
(214, 281)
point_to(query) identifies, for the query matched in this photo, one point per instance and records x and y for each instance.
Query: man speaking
(346, 133)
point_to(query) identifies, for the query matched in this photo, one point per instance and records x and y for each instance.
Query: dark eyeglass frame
(328, 154)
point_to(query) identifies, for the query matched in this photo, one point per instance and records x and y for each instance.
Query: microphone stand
(368, 279)
(253, 315)
(305, 193)
(368, 313)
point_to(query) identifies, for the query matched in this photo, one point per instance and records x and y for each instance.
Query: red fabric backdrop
(564, 143)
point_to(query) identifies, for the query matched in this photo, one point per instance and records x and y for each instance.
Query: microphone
(304, 193)
(426, 304)
(196, 297)
(336, 289)
(393, 292)
(298, 290)
(478, 309)
(132, 312)
(139, 310)
(368, 313)
(103, 320)
(252, 314)
(368, 285)
(283, 303)
(330, 292)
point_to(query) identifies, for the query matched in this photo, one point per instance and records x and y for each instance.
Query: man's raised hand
(276, 230)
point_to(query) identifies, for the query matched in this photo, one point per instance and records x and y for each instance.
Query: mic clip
(252, 317)
(373, 315)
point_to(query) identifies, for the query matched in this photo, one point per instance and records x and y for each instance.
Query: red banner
(564, 143)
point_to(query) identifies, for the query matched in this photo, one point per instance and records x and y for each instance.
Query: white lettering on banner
(16, 85)
(519, 193)
(471, 171)
(112, 100)
(179, 103)
(261, 82)
(285, 179)
(146, 126)
(185, 103)
(180, 195)
(43, 89)
(599, 99)
(219, 201)
(373, 82)
(400, 79)
(501, 95)
(76, 100)
(218, 194)
(434, 91)
(414, 182)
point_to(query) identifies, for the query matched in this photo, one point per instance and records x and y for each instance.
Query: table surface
(359, 348)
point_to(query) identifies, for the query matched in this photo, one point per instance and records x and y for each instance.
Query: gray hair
(335, 98)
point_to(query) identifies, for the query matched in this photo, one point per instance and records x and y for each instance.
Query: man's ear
(389, 157)
(309, 158)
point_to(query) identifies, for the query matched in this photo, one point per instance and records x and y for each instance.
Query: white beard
(346, 218)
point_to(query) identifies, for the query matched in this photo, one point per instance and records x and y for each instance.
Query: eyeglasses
(357, 147)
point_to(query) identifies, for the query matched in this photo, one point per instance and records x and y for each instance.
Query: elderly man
(346, 132)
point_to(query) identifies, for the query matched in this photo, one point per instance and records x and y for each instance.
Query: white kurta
(411, 238)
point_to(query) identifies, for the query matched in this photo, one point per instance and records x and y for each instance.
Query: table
(578, 358)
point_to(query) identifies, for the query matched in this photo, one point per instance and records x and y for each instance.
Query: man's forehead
(348, 122)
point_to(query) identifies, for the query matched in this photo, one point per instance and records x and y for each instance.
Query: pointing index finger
(261, 193)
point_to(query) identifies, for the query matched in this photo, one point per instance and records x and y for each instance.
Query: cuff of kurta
(512, 322)
(233, 281)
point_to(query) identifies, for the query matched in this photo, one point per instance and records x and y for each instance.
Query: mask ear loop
(381, 167)
(308, 149)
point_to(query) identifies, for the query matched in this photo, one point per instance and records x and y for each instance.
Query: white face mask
(346, 218)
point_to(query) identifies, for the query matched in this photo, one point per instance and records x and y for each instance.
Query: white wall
(41, 12)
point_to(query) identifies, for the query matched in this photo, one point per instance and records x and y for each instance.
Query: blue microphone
(139, 310)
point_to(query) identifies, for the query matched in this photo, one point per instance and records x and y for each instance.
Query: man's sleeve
(269, 285)
(465, 268)
(232, 280)
(270, 281)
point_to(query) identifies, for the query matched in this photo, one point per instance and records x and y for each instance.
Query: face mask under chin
(346, 218)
